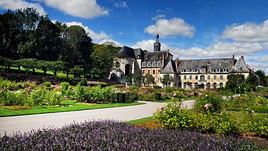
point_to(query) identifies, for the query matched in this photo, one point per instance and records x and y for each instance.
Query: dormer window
(241, 68)
(183, 70)
(159, 64)
(227, 70)
(144, 64)
(148, 64)
(154, 64)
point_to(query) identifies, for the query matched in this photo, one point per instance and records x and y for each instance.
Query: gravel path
(10, 125)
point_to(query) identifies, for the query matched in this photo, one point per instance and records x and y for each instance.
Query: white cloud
(21, 4)
(121, 4)
(172, 27)
(149, 45)
(97, 37)
(248, 32)
(78, 8)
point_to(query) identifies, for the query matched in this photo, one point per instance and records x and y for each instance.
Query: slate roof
(126, 52)
(197, 64)
(240, 66)
(154, 56)
(170, 68)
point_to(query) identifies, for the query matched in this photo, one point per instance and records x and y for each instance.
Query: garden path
(10, 125)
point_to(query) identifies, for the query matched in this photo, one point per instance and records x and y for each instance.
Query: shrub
(83, 82)
(257, 124)
(65, 88)
(174, 117)
(80, 92)
(120, 136)
(9, 98)
(47, 84)
(46, 97)
(209, 103)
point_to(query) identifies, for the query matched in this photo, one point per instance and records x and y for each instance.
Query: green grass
(67, 107)
(142, 120)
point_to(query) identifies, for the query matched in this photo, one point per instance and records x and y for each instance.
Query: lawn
(22, 110)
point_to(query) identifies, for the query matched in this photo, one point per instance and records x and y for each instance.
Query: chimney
(233, 56)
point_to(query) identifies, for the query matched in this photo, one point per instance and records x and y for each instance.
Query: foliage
(47, 84)
(8, 98)
(148, 79)
(65, 88)
(46, 97)
(235, 83)
(174, 117)
(80, 92)
(166, 80)
(209, 103)
(110, 135)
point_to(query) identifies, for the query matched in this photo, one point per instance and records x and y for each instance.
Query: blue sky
(189, 29)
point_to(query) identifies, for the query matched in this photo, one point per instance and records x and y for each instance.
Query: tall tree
(80, 45)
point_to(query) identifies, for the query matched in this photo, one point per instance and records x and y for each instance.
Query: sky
(188, 28)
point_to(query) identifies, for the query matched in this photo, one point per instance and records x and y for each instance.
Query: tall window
(221, 77)
(153, 71)
(143, 71)
(185, 77)
(190, 77)
(149, 71)
(208, 77)
(202, 78)
(196, 77)
(215, 77)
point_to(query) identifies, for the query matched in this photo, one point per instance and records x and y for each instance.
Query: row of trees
(30, 65)
(27, 34)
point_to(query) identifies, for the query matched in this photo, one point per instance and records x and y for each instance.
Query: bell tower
(157, 44)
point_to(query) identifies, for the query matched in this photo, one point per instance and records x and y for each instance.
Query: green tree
(262, 77)
(235, 83)
(102, 60)
(166, 80)
(148, 79)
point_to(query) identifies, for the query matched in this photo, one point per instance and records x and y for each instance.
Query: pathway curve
(10, 125)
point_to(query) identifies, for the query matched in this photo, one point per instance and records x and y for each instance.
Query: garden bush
(9, 98)
(108, 135)
(174, 117)
(46, 97)
(256, 124)
(47, 84)
(209, 103)
(65, 88)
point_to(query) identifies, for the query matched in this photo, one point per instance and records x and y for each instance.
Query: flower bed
(110, 135)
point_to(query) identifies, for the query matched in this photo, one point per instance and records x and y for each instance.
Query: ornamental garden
(34, 81)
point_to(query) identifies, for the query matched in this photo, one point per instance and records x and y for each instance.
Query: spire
(157, 44)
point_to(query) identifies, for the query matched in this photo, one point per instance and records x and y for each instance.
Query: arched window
(196, 77)
(208, 77)
(190, 77)
(215, 77)
(202, 78)
(221, 77)
(185, 77)
(148, 64)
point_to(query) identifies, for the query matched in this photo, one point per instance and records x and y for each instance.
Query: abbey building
(187, 74)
